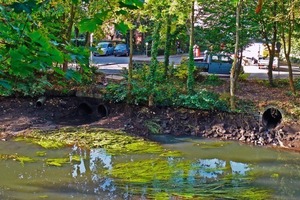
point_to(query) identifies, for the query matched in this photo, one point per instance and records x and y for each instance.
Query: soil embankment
(19, 115)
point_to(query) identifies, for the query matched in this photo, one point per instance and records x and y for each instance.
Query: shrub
(202, 100)
(213, 80)
(115, 93)
(297, 84)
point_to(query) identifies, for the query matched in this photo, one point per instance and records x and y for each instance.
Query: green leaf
(129, 6)
(27, 6)
(89, 25)
(56, 55)
(121, 12)
(71, 74)
(100, 16)
(5, 84)
(138, 3)
(122, 27)
(58, 70)
(39, 38)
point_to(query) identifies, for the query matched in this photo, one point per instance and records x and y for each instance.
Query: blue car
(104, 48)
(121, 50)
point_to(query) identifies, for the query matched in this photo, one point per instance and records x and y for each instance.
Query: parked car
(214, 63)
(264, 62)
(104, 48)
(122, 50)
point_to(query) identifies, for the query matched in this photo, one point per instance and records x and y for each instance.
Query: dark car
(121, 50)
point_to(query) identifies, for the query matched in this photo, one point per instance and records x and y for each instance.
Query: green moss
(75, 158)
(254, 194)
(171, 154)
(146, 171)
(114, 142)
(50, 144)
(7, 157)
(58, 162)
(211, 145)
(171, 178)
(41, 153)
(23, 159)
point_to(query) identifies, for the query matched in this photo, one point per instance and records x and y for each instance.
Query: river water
(203, 169)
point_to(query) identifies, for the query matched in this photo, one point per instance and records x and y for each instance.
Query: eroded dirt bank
(20, 115)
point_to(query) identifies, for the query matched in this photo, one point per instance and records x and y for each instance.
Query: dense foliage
(40, 48)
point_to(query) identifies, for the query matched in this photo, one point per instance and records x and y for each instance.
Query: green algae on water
(58, 162)
(211, 145)
(146, 171)
(114, 142)
(21, 159)
(41, 153)
(163, 178)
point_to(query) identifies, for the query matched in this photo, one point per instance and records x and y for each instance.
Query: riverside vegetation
(204, 113)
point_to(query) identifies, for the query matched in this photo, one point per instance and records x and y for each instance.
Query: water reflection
(229, 169)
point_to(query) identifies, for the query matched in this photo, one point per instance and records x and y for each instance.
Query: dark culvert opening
(271, 118)
(40, 101)
(84, 109)
(102, 110)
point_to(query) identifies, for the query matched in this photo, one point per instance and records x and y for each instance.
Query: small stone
(243, 138)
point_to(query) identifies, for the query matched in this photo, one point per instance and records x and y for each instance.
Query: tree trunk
(272, 48)
(69, 32)
(167, 46)
(130, 66)
(287, 42)
(191, 65)
(233, 75)
(153, 63)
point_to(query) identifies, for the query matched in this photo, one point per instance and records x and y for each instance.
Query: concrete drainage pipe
(87, 109)
(40, 101)
(271, 117)
(102, 110)
(84, 109)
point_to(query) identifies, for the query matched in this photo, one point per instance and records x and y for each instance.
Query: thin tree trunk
(287, 45)
(272, 49)
(233, 76)
(130, 66)
(167, 46)
(190, 78)
(154, 63)
(69, 32)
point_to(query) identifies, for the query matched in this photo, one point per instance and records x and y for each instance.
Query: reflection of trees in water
(87, 171)
(284, 176)
(197, 177)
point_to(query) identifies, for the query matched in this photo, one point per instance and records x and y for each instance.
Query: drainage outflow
(40, 101)
(90, 110)
(271, 118)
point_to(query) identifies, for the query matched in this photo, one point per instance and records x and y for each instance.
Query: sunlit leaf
(128, 5)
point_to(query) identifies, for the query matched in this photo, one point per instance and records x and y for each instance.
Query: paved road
(114, 65)
(281, 72)
(176, 59)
